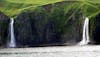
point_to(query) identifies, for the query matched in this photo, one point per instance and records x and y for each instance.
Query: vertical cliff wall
(4, 23)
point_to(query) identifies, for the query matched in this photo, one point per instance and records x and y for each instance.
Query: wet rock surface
(96, 33)
(74, 29)
(29, 29)
(33, 29)
(4, 25)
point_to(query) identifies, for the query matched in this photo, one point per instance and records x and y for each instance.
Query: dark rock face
(4, 23)
(29, 29)
(73, 31)
(23, 29)
(96, 33)
(33, 29)
(52, 36)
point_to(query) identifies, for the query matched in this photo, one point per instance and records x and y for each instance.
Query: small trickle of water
(85, 36)
(12, 42)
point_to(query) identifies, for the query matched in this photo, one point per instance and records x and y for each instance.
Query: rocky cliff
(4, 25)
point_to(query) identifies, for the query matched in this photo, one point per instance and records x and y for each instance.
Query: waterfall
(12, 42)
(85, 37)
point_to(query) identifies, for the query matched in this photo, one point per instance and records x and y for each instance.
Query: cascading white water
(12, 42)
(85, 36)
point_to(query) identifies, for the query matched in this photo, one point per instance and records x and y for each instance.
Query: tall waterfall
(85, 36)
(12, 42)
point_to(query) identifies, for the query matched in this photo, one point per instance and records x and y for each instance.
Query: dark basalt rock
(96, 33)
(4, 24)
(53, 37)
(23, 30)
(29, 29)
(33, 29)
(73, 31)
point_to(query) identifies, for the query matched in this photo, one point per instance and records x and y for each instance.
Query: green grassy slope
(11, 8)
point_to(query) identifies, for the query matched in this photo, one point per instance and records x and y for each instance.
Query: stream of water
(12, 42)
(85, 37)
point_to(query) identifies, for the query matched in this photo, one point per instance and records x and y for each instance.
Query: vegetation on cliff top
(11, 8)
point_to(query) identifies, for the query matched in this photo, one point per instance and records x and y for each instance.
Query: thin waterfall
(12, 42)
(85, 37)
